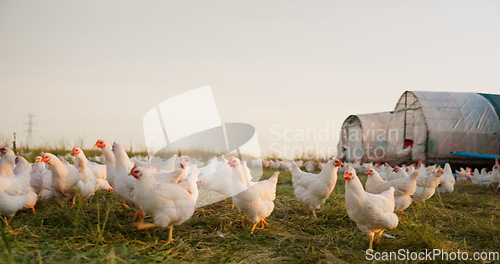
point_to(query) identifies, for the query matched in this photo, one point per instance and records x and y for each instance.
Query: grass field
(101, 232)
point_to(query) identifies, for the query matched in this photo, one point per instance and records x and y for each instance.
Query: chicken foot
(170, 238)
(263, 223)
(141, 214)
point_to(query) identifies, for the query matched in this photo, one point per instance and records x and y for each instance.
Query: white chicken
(257, 200)
(383, 170)
(310, 165)
(463, 176)
(275, 165)
(374, 183)
(373, 213)
(65, 177)
(98, 170)
(223, 181)
(7, 162)
(109, 160)
(189, 184)
(36, 174)
(103, 185)
(299, 163)
(173, 177)
(482, 179)
(313, 189)
(495, 176)
(13, 193)
(406, 152)
(167, 203)
(447, 181)
(88, 180)
(46, 191)
(31, 197)
(399, 173)
(426, 186)
(124, 185)
(404, 188)
(212, 166)
(265, 163)
(286, 165)
(156, 164)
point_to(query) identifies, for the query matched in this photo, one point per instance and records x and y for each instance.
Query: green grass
(101, 232)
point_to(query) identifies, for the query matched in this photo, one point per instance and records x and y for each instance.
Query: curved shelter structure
(363, 137)
(437, 123)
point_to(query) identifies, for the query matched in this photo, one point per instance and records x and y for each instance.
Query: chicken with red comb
(168, 204)
(7, 162)
(14, 190)
(372, 213)
(65, 177)
(109, 160)
(88, 180)
(313, 189)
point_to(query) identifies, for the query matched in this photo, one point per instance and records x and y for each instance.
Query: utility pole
(30, 131)
(14, 144)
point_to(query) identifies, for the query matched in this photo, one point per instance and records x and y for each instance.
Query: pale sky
(92, 69)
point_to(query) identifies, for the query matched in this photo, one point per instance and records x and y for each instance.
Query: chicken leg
(314, 213)
(8, 222)
(253, 227)
(170, 238)
(73, 202)
(371, 240)
(379, 236)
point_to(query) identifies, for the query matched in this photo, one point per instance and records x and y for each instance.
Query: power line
(30, 131)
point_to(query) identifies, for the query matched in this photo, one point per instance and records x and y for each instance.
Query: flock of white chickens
(168, 190)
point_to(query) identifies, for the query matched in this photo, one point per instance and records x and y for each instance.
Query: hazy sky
(92, 69)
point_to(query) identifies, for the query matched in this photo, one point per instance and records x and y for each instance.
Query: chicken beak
(95, 146)
(347, 176)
